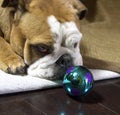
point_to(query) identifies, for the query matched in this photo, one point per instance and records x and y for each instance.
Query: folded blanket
(14, 83)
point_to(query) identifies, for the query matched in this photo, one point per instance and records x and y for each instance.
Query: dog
(42, 35)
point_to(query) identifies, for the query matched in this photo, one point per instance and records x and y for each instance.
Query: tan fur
(25, 26)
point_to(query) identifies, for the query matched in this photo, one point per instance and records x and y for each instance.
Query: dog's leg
(17, 40)
(9, 61)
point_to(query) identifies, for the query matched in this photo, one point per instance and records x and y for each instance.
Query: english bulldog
(42, 35)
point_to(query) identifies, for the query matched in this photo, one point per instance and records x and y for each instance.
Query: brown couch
(100, 45)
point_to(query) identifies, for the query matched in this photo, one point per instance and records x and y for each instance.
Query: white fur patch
(65, 35)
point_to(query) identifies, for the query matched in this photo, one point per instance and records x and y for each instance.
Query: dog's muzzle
(65, 61)
(62, 65)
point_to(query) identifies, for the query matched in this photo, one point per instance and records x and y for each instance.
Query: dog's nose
(65, 61)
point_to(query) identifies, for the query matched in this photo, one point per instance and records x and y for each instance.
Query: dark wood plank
(18, 108)
(117, 83)
(110, 93)
(59, 103)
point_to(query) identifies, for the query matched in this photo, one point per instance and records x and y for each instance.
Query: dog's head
(51, 32)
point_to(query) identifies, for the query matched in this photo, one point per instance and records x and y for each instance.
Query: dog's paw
(13, 65)
(3, 66)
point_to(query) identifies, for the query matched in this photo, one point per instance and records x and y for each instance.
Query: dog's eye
(42, 48)
(75, 45)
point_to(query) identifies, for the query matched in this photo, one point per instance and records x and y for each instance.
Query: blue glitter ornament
(78, 81)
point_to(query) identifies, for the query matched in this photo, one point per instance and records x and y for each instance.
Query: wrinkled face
(56, 57)
(52, 43)
(52, 39)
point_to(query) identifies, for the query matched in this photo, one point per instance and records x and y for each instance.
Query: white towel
(14, 83)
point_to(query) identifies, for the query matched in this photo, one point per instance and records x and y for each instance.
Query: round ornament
(78, 81)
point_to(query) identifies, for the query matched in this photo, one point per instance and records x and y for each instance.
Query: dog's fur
(27, 34)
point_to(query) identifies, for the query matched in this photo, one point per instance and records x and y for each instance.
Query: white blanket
(13, 83)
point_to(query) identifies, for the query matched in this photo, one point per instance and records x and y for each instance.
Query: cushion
(100, 45)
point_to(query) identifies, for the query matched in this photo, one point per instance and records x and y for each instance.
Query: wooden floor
(104, 99)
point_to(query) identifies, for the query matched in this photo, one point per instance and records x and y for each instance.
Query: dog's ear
(80, 7)
(10, 3)
(19, 7)
(14, 3)
(82, 10)
(82, 13)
